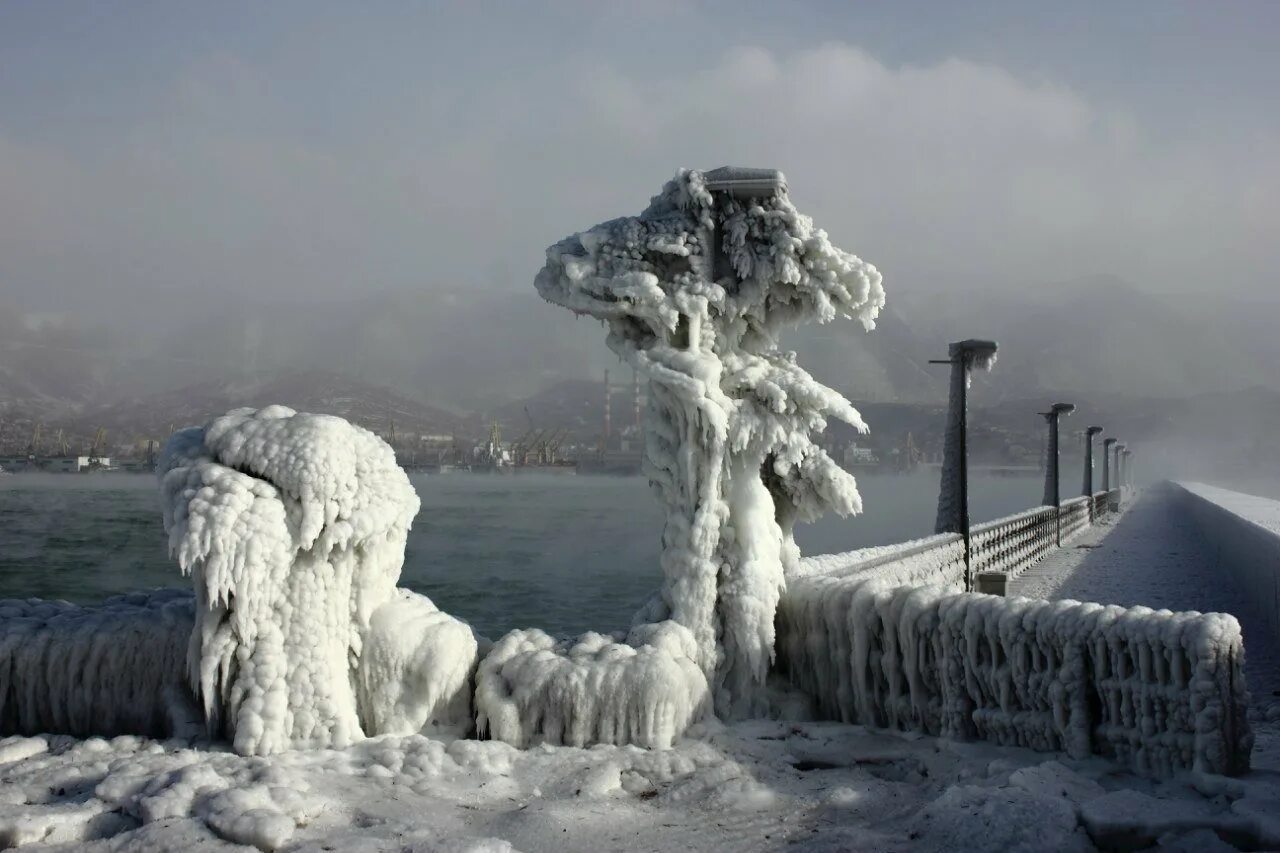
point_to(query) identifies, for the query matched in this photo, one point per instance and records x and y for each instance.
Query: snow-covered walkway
(1151, 555)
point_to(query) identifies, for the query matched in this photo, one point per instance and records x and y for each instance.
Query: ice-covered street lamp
(1106, 462)
(1052, 492)
(1119, 475)
(953, 493)
(1088, 458)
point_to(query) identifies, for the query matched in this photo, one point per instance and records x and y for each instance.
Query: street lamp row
(953, 497)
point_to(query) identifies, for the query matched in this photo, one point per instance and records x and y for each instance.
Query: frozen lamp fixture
(953, 495)
(694, 292)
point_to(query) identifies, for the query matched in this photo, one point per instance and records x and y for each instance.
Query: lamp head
(745, 182)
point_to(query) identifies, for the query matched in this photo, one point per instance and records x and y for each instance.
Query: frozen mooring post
(292, 527)
(694, 292)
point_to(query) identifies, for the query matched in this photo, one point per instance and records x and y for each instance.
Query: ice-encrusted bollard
(292, 527)
(694, 292)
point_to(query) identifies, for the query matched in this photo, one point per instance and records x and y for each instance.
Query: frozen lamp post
(1088, 459)
(1106, 462)
(1052, 493)
(953, 495)
(1119, 475)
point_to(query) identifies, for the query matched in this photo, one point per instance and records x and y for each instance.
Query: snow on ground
(752, 786)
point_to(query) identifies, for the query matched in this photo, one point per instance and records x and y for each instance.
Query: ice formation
(111, 669)
(292, 527)
(1158, 691)
(695, 291)
(646, 691)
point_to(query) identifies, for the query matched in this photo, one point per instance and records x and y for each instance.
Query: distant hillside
(462, 356)
(135, 419)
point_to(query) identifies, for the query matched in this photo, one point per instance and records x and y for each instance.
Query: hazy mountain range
(446, 360)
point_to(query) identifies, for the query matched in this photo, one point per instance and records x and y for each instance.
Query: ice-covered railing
(1073, 517)
(1007, 545)
(1157, 691)
(1244, 533)
(118, 668)
(1011, 544)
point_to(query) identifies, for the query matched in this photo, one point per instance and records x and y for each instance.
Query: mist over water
(566, 554)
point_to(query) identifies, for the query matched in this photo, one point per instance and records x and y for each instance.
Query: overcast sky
(178, 152)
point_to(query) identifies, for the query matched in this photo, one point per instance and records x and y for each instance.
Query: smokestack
(635, 390)
(607, 425)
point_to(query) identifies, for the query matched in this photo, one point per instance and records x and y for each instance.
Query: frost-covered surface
(694, 292)
(752, 786)
(116, 668)
(1157, 691)
(292, 527)
(646, 691)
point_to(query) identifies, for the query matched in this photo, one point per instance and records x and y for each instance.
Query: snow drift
(292, 527)
(694, 292)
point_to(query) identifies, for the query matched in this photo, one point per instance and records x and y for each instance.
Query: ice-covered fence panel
(1244, 532)
(1157, 691)
(1013, 543)
(934, 560)
(115, 668)
(1073, 517)
(1101, 504)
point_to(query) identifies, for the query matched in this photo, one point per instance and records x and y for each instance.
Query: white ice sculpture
(293, 529)
(694, 292)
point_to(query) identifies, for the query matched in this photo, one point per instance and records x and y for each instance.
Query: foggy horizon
(191, 194)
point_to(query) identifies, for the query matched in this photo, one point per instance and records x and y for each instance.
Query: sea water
(562, 553)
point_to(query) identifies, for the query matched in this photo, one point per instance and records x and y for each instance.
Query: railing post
(1052, 492)
(1088, 466)
(953, 491)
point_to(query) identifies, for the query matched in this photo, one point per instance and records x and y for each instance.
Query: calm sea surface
(562, 553)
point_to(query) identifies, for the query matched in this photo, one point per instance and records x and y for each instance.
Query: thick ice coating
(695, 291)
(292, 527)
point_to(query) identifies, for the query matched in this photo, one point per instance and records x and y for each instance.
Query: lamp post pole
(953, 494)
(1106, 462)
(1119, 449)
(1088, 465)
(1052, 492)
